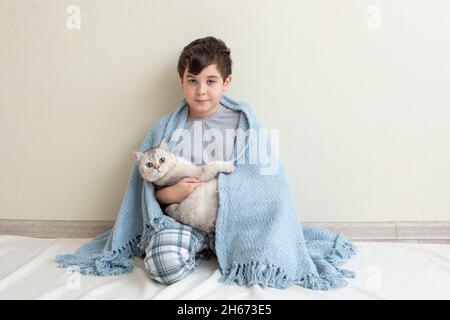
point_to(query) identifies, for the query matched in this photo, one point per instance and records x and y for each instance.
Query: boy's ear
(227, 82)
(163, 145)
(137, 155)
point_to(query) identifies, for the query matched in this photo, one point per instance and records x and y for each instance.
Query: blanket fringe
(253, 273)
(321, 282)
(273, 276)
(342, 251)
(157, 225)
(256, 273)
(145, 239)
(108, 263)
(113, 262)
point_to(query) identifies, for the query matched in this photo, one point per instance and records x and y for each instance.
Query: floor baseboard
(385, 230)
(54, 228)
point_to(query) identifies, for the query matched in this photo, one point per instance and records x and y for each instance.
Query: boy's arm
(177, 192)
(166, 195)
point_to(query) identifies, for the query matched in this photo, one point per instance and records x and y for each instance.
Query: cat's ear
(137, 155)
(163, 145)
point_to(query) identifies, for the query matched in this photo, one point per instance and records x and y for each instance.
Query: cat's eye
(149, 164)
(162, 160)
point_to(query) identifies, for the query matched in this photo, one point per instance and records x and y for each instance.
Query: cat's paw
(170, 209)
(228, 167)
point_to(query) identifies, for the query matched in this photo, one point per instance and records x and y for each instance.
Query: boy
(260, 239)
(204, 68)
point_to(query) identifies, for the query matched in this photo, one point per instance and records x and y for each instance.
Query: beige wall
(363, 108)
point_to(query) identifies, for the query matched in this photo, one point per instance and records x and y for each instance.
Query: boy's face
(204, 90)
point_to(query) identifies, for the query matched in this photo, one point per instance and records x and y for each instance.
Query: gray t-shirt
(210, 138)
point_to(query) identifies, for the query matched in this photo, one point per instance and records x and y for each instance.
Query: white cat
(163, 168)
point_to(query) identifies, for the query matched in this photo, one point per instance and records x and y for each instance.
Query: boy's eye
(149, 164)
(162, 160)
(208, 81)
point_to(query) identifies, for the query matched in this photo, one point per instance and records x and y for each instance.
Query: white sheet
(383, 271)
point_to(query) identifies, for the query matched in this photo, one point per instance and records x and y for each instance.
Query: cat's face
(154, 163)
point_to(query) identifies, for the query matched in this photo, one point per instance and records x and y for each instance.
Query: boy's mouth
(200, 100)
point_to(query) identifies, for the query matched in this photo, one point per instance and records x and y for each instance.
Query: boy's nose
(201, 90)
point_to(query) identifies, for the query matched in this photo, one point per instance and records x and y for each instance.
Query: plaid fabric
(175, 252)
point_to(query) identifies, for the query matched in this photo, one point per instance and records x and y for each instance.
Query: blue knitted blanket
(259, 239)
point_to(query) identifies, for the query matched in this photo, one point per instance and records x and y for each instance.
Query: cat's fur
(199, 209)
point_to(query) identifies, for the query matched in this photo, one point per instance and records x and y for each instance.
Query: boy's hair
(203, 52)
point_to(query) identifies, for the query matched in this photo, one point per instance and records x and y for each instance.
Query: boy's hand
(186, 186)
(177, 192)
